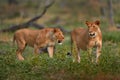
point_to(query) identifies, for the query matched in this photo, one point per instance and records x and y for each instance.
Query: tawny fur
(37, 39)
(86, 39)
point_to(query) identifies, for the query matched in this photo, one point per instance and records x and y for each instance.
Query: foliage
(113, 36)
(61, 67)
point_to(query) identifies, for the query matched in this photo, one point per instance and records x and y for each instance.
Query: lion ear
(55, 30)
(88, 23)
(97, 22)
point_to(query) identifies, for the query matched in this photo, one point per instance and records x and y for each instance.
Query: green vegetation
(113, 36)
(61, 67)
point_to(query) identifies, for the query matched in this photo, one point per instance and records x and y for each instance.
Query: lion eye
(94, 26)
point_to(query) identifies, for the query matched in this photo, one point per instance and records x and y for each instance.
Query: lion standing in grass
(86, 39)
(37, 39)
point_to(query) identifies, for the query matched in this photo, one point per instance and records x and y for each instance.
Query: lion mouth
(60, 42)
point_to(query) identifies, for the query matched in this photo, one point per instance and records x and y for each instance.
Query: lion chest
(46, 43)
(50, 43)
(93, 43)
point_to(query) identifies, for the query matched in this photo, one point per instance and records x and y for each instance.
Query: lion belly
(27, 36)
(79, 36)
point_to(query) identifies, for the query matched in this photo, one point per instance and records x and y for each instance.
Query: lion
(37, 39)
(86, 39)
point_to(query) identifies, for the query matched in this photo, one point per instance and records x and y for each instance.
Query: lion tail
(70, 52)
(14, 39)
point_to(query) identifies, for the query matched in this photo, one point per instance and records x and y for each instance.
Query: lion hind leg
(75, 53)
(21, 47)
(19, 54)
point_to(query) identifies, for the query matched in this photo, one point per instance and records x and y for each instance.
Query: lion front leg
(98, 53)
(36, 49)
(78, 57)
(89, 50)
(50, 51)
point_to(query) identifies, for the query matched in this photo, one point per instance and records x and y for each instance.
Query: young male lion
(38, 39)
(86, 39)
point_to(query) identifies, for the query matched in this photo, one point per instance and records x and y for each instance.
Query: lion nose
(92, 34)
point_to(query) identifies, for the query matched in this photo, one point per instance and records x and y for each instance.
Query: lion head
(58, 35)
(93, 28)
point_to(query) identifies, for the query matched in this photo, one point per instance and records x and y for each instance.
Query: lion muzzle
(92, 34)
(60, 42)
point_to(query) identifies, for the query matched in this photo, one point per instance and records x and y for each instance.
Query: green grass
(113, 36)
(61, 67)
